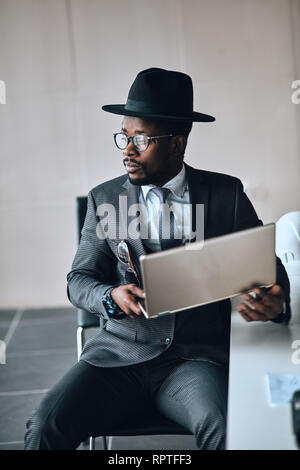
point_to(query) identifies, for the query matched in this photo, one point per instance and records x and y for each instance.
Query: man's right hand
(127, 298)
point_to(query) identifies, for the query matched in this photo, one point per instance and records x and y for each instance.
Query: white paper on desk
(281, 388)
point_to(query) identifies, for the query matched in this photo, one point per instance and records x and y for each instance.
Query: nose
(130, 150)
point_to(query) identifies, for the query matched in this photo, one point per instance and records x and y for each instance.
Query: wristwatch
(112, 309)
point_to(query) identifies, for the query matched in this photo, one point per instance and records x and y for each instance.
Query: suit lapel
(130, 195)
(198, 194)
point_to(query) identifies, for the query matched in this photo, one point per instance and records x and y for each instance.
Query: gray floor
(40, 348)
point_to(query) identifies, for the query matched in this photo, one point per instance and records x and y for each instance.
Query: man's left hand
(270, 305)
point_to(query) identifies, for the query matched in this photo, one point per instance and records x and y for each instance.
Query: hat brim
(120, 109)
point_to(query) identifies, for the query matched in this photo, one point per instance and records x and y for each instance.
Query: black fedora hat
(160, 94)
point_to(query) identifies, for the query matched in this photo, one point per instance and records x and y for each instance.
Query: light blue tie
(165, 243)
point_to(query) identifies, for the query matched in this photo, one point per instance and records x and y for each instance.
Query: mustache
(127, 160)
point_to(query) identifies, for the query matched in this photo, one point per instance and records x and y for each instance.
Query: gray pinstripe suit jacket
(95, 268)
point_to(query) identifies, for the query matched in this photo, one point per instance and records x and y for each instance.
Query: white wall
(62, 59)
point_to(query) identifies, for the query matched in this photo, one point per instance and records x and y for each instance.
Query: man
(178, 362)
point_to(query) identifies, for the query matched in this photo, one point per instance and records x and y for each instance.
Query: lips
(132, 167)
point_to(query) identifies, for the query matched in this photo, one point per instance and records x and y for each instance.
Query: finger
(261, 292)
(272, 301)
(129, 306)
(263, 298)
(243, 313)
(254, 315)
(133, 305)
(137, 291)
(257, 305)
(274, 291)
(268, 309)
(130, 314)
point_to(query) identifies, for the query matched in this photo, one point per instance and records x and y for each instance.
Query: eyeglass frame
(129, 263)
(130, 139)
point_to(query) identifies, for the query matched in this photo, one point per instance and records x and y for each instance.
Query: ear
(178, 145)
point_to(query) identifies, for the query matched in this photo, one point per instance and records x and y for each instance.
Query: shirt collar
(177, 185)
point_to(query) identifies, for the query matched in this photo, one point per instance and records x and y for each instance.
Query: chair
(288, 250)
(152, 422)
(288, 237)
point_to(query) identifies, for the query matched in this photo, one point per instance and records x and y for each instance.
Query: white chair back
(288, 250)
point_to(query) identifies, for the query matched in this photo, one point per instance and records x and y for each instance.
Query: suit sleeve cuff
(283, 316)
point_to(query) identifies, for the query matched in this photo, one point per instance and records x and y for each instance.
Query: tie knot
(161, 193)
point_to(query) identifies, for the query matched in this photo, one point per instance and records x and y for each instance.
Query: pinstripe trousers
(92, 400)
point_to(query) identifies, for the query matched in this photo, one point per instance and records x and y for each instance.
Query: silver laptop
(204, 272)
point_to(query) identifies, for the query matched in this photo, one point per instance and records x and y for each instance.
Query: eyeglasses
(123, 255)
(140, 142)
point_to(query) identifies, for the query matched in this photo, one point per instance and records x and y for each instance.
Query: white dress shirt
(178, 199)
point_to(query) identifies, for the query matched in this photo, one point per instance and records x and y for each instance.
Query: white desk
(256, 349)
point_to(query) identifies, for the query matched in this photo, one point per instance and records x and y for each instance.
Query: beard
(156, 178)
(139, 181)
